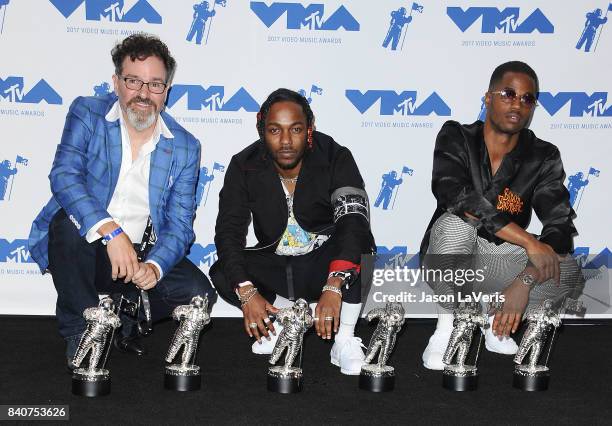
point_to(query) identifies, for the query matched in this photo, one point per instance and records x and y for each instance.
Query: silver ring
(266, 320)
(316, 318)
(328, 318)
(253, 325)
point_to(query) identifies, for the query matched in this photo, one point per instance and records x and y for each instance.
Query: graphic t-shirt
(295, 240)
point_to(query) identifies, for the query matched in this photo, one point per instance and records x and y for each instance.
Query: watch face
(528, 279)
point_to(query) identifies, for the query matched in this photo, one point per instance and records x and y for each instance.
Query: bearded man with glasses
(487, 178)
(124, 178)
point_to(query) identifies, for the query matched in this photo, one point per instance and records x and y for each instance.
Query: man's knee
(193, 282)
(572, 277)
(201, 286)
(220, 284)
(450, 234)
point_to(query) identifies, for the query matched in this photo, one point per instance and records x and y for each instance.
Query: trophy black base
(530, 379)
(182, 379)
(375, 378)
(285, 380)
(84, 383)
(460, 378)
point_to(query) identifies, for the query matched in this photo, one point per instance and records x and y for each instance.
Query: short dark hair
(140, 46)
(513, 66)
(283, 95)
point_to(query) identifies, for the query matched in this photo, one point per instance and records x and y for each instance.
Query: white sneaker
(267, 346)
(504, 346)
(347, 354)
(434, 352)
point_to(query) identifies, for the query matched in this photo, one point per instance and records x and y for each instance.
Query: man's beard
(138, 119)
(286, 166)
(289, 166)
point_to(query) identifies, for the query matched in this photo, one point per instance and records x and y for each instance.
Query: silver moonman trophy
(94, 380)
(460, 376)
(295, 321)
(542, 319)
(380, 377)
(193, 317)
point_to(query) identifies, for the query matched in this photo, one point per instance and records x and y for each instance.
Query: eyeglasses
(508, 95)
(132, 83)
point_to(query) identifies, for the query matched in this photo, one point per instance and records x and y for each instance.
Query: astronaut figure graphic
(295, 321)
(389, 182)
(193, 318)
(465, 322)
(200, 16)
(204, 180)
(390, 321)
(101, 320)
(591, 25)
(540, 319)
(398, 20)
(6, 172)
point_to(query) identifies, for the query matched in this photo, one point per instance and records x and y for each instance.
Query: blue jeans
(81, 270)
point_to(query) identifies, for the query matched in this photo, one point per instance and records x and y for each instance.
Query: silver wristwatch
(527, 279)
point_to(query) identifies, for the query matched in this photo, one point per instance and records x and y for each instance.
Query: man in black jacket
(487, 177)
(310, 215)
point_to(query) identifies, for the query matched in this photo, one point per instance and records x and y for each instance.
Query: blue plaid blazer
(86, 168)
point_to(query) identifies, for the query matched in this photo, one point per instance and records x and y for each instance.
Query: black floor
(32, 371)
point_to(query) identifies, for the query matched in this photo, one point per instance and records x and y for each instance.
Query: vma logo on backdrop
(111, 10)
(12, 89)
(212, 98)
(395, 257)
(506, 21)
(406, 103)
(203, 255)
(15, 251)
(581, 103)
(300, 17)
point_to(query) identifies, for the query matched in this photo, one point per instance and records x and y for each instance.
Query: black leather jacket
(252, 187)
(530, 176)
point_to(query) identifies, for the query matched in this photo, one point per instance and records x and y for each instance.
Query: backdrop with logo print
(382, 77)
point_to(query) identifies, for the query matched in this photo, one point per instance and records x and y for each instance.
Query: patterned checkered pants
(455, 245)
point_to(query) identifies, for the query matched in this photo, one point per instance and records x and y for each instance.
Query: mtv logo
(15, 252)
(504, 21)
(404, 103)
(305, 17)
(201, 255)
(395, 257)
(111, 10)
(12, 90)
(581, 103)
(212, 99)
(604, 258)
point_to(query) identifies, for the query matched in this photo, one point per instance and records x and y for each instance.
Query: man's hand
(256, 312)
(328, 310)
(146, 277)
(541, 255)
(509, 318)
(545, 259)
(123, 259)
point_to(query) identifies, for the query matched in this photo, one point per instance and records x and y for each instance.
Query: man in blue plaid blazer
(123, 169)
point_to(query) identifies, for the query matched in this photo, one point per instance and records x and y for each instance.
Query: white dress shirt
(129, 205)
